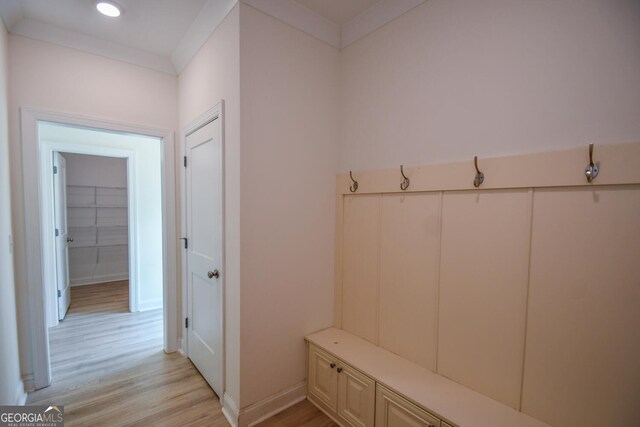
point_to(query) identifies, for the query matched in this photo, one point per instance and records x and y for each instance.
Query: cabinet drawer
(323, 377)
(394, 411)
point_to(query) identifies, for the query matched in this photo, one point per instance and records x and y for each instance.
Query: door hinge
(57, 232)
(59, 293)
(55, 170)
(186, 242)
(186, 322)
(185, 161)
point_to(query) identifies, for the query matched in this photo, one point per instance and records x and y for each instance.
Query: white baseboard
(230, 410)
(29, 382)
(94, 280)
(150, 305)
(272, 405)
(21, 395)
(183, 347)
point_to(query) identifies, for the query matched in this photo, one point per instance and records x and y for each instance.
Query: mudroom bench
(359, 384)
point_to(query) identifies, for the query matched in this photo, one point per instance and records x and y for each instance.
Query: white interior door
(203, 149)
(62, 234)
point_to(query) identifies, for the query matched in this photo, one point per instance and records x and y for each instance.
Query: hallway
(108, 367)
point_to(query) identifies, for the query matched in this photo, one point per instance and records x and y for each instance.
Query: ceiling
(155, 26)
(165, 34)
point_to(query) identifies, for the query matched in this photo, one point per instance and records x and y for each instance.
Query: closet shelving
(97, 218)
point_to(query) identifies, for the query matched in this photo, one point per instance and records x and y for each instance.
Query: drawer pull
(332, 365)
(339, 370)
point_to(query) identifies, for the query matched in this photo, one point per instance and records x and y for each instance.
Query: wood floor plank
(303, 414)
(108, 367)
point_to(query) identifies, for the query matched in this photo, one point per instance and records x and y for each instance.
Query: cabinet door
(323, 378)
(356, 397)
(394, 411)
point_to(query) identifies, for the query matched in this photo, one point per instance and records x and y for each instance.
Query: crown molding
(52, 34)
(373, 18)
(207, 21)
(304, 19)
(301, 18)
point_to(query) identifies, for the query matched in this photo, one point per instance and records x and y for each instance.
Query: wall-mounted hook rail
(592, 169)
(353, 187)
(479, 179)
(405, 181)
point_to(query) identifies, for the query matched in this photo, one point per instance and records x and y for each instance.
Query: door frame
(37, 332)
(216, 112)
(47, 148)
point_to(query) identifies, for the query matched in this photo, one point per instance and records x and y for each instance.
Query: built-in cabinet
(355, 399)
(347, 393)
(394, 411)
(98, 225)
(359, 384)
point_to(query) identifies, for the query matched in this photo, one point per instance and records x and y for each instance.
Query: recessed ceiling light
(109, 8)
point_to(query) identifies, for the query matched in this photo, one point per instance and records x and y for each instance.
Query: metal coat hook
(353, 187)
(405, 181)
(592, 169)
(479, 179)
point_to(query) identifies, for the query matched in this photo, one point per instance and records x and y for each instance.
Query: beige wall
(289, 84)
(10, 382)
(214, 74)
(60, 79)
(456, 78)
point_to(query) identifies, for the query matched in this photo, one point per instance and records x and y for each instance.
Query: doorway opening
(129, 227)
(92, 227)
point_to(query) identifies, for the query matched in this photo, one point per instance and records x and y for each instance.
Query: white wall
(214, 74)
(11, 389)
(60, 79)
(99, 252)
(456, 78)
(99, 171)
(289, 94)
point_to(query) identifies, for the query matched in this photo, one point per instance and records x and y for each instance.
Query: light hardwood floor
(303, 414)
(108, 367)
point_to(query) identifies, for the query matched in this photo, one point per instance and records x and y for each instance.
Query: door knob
(213, 274)
(69, 239)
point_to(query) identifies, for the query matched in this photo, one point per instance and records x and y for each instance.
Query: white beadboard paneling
(483, 290)
(409, 261)
(360, 267)
(583, 331)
